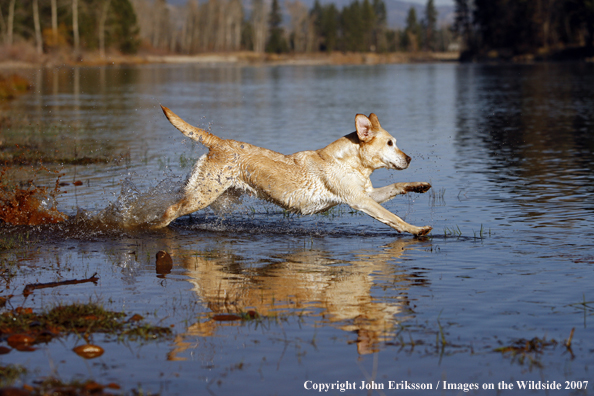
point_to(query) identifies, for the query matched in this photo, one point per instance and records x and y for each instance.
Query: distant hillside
(397, 10)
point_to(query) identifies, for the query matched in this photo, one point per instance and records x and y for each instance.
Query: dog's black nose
(408, 159)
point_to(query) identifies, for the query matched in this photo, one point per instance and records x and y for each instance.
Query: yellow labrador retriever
(306, 182)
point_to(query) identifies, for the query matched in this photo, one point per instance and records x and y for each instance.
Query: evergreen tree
(120, 27)
(124, 26)
(580, 14)
(589, 20)
(430, 25)
(381, 15)
(326, 25)
(412, 33)
(463, 23)
(331, 27)
(357, 23)
(393, 40)
(247, 36)
(367, 26)
(277, 42)
(380, 29)
(351, 27)
(520, 27)
(316, 13)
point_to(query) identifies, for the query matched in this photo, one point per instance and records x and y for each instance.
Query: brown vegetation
(22, 328)
(12, 85)
(29, 205)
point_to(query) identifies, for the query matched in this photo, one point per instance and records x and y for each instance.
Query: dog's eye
(390, 143)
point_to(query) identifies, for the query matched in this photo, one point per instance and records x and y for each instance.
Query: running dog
(306, 182)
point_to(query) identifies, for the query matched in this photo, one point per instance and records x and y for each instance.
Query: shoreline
(243, 58)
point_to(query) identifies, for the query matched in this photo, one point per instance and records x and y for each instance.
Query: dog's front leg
(383, 194)
(378, 212)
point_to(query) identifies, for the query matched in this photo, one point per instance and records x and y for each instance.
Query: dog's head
(378, 147)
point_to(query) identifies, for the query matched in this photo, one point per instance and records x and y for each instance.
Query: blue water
(508, 150)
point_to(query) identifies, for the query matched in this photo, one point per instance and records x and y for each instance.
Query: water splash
(134, 208)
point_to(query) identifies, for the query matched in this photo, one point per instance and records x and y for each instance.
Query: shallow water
(507, 149)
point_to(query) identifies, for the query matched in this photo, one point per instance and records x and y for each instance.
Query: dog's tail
(199, 135)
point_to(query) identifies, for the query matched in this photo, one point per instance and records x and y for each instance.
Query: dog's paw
(423, 230)
(418, 187)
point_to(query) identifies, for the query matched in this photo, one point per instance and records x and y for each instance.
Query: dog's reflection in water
(301, 283)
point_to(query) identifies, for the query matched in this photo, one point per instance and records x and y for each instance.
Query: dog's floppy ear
(374, 122)
(365, 129)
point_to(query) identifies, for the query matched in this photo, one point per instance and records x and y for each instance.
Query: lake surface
(342, 298)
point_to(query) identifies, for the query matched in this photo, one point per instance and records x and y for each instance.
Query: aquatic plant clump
(31, 205)
(12, 85)
(10, 373)
(529, 350)
(23, 328)
(54, 386)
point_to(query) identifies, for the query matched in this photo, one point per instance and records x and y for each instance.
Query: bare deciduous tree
(209, 19)
(75, 25)
(102, 19)
(259, 21)
(38, 39)
(55, 21)
(302, 26)
(10, 27)
(213, 25)
(191, 43)
(234, 20)
(2, 24)
(160, 24)
(145, 18)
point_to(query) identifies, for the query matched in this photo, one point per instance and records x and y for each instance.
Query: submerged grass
(24, 144)
(27, 150)
(437, 197)
(23, 328)
(55, 386)
(585, 306)
(10, 373)
(452, 231)
(455, 231)
(527, 350)
(9, 242)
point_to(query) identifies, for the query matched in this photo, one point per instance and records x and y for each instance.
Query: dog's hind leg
(201, 191)
(383, 194)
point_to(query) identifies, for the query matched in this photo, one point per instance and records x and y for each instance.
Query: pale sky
(437, 2)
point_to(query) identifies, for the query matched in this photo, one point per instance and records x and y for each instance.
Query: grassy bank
(11, 58)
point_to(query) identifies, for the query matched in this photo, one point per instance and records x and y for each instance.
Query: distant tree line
(363, 26)
(79, 24)
(217, 25)
(223, 25)
(512, 27)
